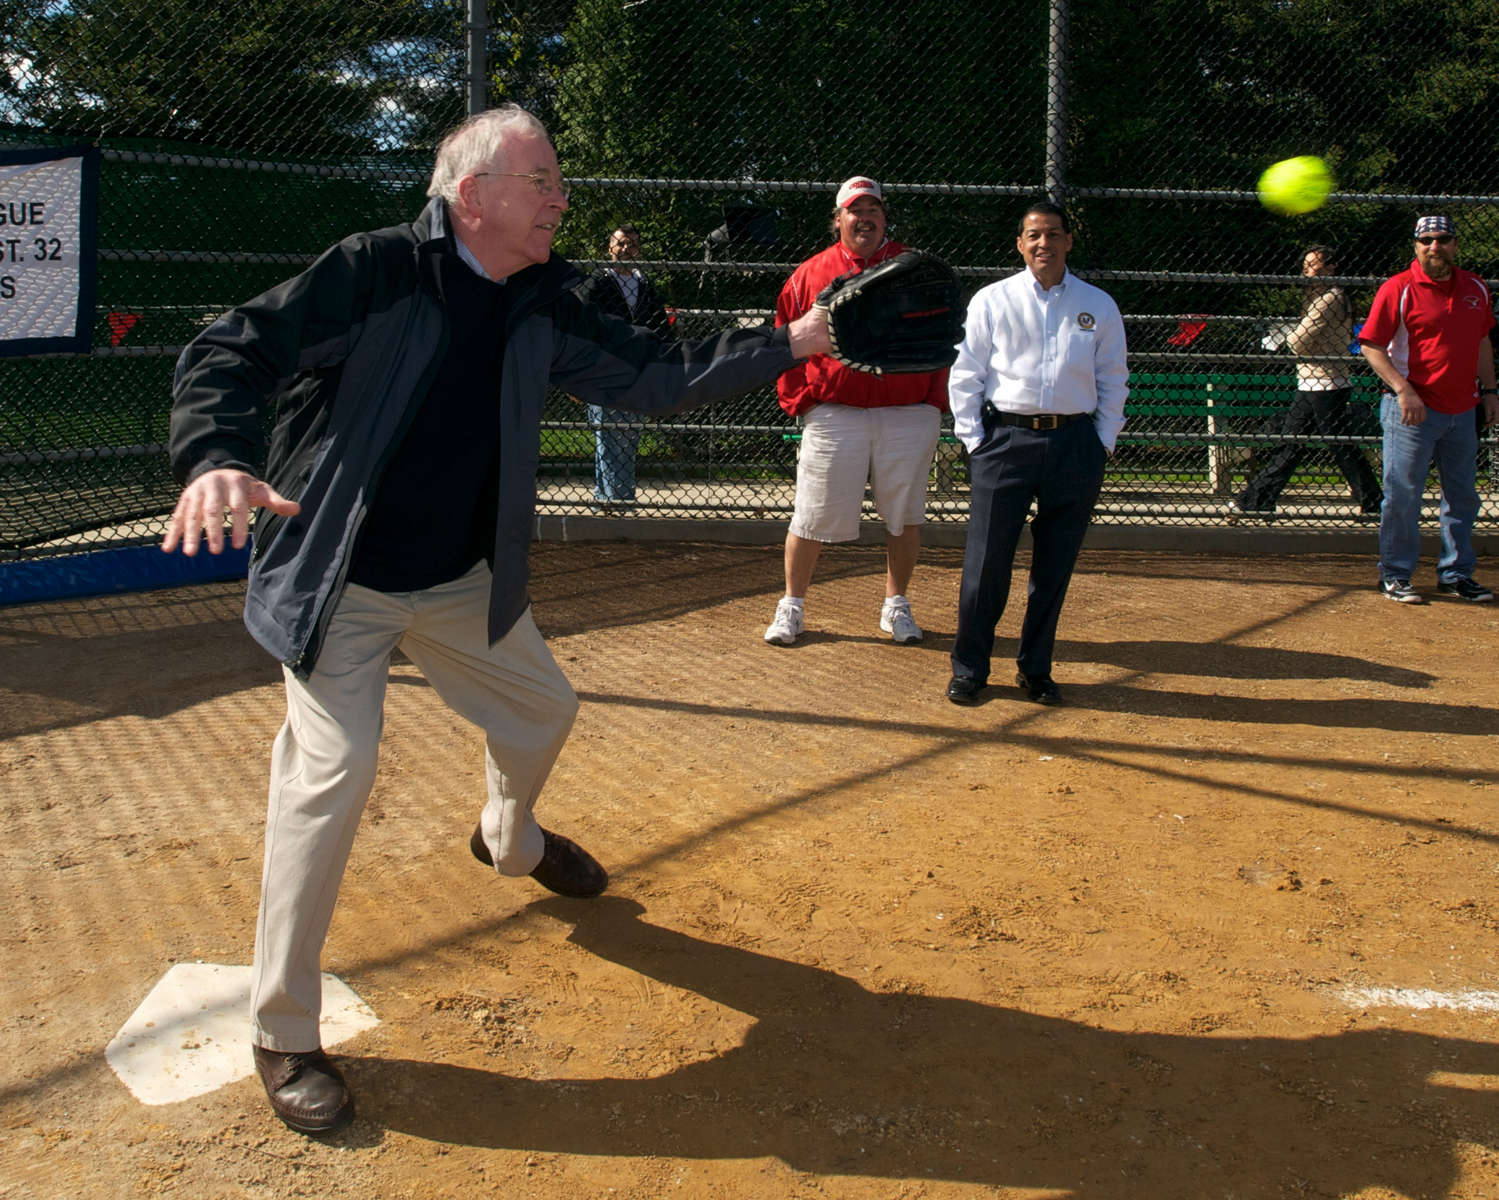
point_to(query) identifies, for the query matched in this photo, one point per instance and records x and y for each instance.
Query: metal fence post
(476, 31)
(1056, 104)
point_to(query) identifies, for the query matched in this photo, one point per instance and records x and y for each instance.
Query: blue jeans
(616, 437)
(1451, 439)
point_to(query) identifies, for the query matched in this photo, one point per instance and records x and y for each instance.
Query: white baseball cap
(859, 185)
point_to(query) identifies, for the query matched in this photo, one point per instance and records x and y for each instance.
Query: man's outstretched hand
(808, 334)
(201, 507)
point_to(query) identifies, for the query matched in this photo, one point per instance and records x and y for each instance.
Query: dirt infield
(860, 943)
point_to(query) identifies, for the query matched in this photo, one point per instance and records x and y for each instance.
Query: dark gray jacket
(602, 288)
(343, 355)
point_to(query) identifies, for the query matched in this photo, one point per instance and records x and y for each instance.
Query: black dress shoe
(305, 1089)
(1040, 688)
(962, 690)
(565, 867)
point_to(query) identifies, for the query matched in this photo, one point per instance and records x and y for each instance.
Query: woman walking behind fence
(1321, 405)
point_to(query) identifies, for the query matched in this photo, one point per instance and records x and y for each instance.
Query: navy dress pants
(1062, 471)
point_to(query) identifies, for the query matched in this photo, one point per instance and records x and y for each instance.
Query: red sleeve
(1384, 314)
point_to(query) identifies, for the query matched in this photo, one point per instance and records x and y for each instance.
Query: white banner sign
(48, 249)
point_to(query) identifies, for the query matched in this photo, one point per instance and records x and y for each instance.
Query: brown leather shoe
(565, 867)
(305, 1089)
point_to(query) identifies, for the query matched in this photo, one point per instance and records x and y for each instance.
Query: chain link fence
(239, 142)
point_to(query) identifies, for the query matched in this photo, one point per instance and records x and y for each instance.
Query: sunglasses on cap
(1441, 239)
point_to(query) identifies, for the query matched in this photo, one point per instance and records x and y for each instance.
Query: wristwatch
(1488, 391)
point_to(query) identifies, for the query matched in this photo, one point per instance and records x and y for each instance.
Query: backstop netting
(238, 142)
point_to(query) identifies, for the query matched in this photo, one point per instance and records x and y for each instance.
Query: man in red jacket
(1427, 338)
(857, 429)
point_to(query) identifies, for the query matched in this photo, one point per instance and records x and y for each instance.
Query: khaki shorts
(844, 448)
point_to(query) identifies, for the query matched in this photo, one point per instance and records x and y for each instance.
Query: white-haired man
(406, 371)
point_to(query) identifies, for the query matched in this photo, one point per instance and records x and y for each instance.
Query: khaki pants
(323, 767)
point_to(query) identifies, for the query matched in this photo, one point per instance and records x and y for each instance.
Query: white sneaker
(787, 626)
(897, 621)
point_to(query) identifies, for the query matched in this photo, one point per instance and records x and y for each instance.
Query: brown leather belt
(1036, 421)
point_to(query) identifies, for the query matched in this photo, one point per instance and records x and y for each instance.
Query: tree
(807, 92)
(276, 78)
(1401, 97)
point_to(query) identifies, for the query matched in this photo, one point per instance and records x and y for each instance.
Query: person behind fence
(1427, 338)
(622, 291)
(857, 429)
(406, 370)
(1321, 340)
(1037, 395)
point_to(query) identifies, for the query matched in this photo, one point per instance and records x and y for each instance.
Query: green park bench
(1206, 424)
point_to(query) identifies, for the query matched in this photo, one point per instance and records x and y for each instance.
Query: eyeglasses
(545, 185)
(1441, 239)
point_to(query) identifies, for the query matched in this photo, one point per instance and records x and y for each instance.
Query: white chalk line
(1418, 998)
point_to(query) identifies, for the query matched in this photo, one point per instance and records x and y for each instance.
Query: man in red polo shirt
(857, 429)
(1427, 338)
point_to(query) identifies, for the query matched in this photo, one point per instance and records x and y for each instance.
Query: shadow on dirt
(1229, 661)
(148, 654)
(837, 1079)
(1353, 712)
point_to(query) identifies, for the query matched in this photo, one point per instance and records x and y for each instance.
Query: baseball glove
(900, 317)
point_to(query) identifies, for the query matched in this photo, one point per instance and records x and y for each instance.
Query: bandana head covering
(1428, 225)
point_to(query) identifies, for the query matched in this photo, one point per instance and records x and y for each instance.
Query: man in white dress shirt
(1037, 397)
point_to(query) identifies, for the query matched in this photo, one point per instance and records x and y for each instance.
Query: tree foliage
(772, 102)
(260, 77)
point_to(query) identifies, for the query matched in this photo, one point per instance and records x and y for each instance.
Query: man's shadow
(836, 1079)
(1230, 660)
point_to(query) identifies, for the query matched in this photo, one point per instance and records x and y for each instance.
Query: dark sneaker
(1400, 591)
(305, 1090)
(1468, 589)
(565, 867)
(568, 869)
(1234, 512)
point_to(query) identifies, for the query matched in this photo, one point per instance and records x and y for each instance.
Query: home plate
(191, 1034)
